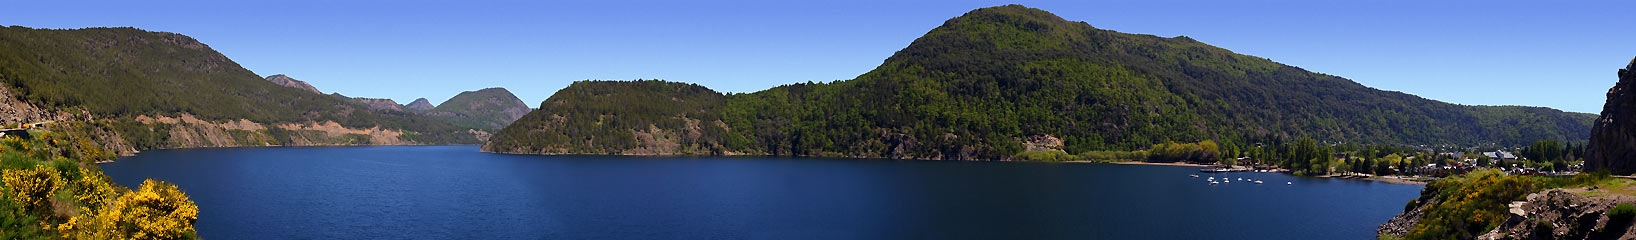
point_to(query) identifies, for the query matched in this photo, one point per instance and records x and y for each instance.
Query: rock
(1043, 143)
(1613, 136)
(420, 104)
(286, 81)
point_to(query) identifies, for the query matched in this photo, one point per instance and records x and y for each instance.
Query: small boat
(1193, 175)
(1289, 183)
(1257, 181)
(1241, 179)
(1213, 182)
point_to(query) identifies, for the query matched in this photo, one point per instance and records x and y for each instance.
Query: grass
(1611, 187)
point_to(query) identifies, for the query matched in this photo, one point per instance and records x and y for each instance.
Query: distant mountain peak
(420, 104)
(488, 108)
(287, 81)
(379, 103)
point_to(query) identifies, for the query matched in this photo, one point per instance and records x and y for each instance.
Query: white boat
(1213, 182)
(1257, 181)
(1241, 179)
(1289, 183)
(1193, 175)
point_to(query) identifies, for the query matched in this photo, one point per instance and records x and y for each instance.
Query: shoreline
(1173, 164)
(1383, 179)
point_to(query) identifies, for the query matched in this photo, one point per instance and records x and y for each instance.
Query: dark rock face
(1613, 136)
(420, 104)
(286, 81)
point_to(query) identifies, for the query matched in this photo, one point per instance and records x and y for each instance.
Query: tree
(1544, 151)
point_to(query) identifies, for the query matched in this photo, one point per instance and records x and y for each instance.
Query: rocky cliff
(420, 104)
(287, 81)
(1613, 136)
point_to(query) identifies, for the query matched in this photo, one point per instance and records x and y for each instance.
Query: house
(1500, 155)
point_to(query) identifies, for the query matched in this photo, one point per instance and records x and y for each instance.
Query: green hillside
(978, 85)
(119, 73)
(607, 117)
(488, 109)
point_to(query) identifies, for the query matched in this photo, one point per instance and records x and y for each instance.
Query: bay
(456, 192)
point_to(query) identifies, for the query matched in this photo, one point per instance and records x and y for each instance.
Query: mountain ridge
(165, 90)
(976, 86)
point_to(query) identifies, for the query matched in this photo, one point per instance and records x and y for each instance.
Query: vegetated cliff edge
(166, 90)
(982, 84)
(1491, 205)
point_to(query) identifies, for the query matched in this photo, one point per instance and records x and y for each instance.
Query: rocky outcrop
(420, 104)
(13, 110)
(1042, 143)
(187, 131)
(286, 81)
(1564, 214)
(380, 104)
(1613, 136)
(1580, 213)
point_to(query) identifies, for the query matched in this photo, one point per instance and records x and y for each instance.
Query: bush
(1044, 156)
(1623, 211)
(34, 187)
(1468, 205)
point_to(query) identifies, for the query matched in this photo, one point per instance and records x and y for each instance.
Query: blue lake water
(456, 192)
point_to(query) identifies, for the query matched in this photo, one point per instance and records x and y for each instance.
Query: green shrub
(1044, 156)
(1623, 211)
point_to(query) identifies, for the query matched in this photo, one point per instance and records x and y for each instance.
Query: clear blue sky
(1560, 54)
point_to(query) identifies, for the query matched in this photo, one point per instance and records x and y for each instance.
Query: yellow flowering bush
(156, 210)
(32, 187)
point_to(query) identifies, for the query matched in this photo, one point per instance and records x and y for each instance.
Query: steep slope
(287, 81)
(1613, 139)
(488, 109)
(977, 86)
(166, 90)
(420, 104)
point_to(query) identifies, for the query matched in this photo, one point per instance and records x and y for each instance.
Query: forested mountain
(977, 86)
(488, 109)
(161, 90)
(644, 117)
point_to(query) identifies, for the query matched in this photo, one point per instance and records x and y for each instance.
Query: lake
(456, 192)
